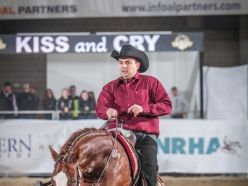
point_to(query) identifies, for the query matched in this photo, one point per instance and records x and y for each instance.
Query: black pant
(147, 148)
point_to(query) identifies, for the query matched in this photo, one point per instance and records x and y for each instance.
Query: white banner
(203, 146)
(185, 146)
(226, 92)
(40, 9)
(24, 143)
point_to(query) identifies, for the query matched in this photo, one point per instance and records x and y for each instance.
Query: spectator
(73, 92)
(85, 106)
(17, 89)
(179, 104)
(27, 101)
(37, 99)
(49, 102)
(92, 100)
(7, 101)
(65, 104)
(75, 103)
(93, 104)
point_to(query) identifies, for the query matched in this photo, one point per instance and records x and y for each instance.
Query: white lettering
(101, 46)
(22, 43)
(91, 46)
(137, 41)
(36, 44)
(47, 43)
(151, 41)
(63, 46)
(118, 41)
(79, 47)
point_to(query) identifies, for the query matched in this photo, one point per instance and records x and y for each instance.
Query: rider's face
(128, 67)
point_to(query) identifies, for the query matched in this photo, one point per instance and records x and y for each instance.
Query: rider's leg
(148, 158)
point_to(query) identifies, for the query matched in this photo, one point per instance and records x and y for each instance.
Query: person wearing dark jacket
(86, 106)
(26, 102)
(37, 99)
(93, 104)
(7, 101)
(92, 99)
(49, 103)
(65, 105)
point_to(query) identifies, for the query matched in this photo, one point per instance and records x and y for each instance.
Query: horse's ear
(54, 154)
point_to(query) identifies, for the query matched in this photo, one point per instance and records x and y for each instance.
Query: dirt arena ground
(170, 181)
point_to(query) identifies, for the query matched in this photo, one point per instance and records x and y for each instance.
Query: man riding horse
(137, 100)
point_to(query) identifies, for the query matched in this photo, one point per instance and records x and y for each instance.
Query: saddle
(127, 134)
(127, 139)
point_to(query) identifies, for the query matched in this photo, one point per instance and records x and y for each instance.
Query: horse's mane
(76, 136)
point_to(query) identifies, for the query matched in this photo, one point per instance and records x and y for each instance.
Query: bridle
(72, 182)
(79, 176)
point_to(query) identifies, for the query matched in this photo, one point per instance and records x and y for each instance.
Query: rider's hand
(111, 114)
(135, 109)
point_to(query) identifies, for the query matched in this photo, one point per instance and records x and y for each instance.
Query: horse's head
(66, 173)
(90, 156)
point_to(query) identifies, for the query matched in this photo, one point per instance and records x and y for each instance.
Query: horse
(92, 157)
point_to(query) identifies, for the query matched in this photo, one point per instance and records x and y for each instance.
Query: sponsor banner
(203, 146)
(24, 144)
(98, 43)
(43, 9)
(184, 146)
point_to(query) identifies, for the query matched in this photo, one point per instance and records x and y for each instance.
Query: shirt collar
(135, 77)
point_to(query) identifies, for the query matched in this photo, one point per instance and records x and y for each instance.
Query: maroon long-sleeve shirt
(142, 90)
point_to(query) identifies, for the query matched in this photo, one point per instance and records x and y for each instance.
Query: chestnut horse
(91, 157)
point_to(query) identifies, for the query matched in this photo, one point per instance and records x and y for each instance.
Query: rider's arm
(104, 102)
(160, 101)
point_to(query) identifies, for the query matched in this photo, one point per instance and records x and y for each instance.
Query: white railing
(54, 113)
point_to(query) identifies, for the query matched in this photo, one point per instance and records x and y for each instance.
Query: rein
(79, 174)
(109, 157)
